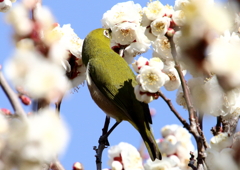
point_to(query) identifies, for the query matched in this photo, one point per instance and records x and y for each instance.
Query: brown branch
(218, 128)
(102, 144)
(193, 129)
(12, 97)
(58, 104)
(230, 125)
(169, 103)
(192, 161)
(186, 92)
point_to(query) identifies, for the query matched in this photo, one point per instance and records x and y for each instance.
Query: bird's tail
(151, 144)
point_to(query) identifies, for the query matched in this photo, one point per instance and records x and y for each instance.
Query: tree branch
(193, 129)
(11, 95)
(102, 144)
(169, 103)
(186, 92)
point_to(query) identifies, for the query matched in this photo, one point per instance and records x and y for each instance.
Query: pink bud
(55, 24)
(5, 111)
(25, 100)
(170, 32)
(78, 166)
(153, 112)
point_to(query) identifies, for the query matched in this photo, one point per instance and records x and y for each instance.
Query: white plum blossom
(137, 64)
(162, 48)
(122, 12)
(153, 11)
(231, 104)
(70, 39)
(19, 19)
(221, 141)
(180, 4)
(5, 5)
(224, 52)
(198, 21)
(124, 33)
(38, 76)
(168, 11)
(141, 95)
(220, 152)
(165, 164)
(46, 81)
(206, 96)
(156, 62)
(179, 17)
(44, 17)
(176, 141)
(23, 60)
(220, 160)
(160, 26)
(72, 43)
(124, 156)
(168, 145)
(174, 79)
(39, 139)
(180, 98)
(151, 78)
(4, 130)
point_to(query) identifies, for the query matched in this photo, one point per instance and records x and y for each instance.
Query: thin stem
(103, 141)
(102, 144)
(58, 104)
(193, 129)
(169, 103)
(186, 92)
(12, 97)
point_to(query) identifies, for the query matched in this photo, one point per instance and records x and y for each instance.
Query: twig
(200, 120)
(192, 161)
(193, 129)
(191, 110)
(42, 103)
(169, 103)
(102, 144)
(218, 128)
(103, 141)
(58, 104)
(12, 98)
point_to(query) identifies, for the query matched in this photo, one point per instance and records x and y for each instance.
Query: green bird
(111, 83)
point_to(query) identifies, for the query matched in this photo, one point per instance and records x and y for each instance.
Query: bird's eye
(106, 33)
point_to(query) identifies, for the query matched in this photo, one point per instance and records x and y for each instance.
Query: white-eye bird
(111, 83)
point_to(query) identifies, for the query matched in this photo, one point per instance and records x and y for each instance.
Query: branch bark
(12, 96)
(193, 119)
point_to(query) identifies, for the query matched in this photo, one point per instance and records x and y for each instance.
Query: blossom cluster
(175, 147)
(47, 60)
(221, 151)
(28, 144)
(134, 32)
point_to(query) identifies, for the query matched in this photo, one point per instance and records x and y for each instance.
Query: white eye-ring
(106, 33)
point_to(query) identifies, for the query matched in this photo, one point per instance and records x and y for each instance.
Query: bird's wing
(109, 86)
(119, 87)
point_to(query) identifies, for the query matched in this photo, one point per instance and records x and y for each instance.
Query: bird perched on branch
(111, 84)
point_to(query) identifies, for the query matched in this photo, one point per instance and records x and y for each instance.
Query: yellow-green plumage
(111, 83)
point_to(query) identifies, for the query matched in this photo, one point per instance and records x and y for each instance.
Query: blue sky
(84, 118)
